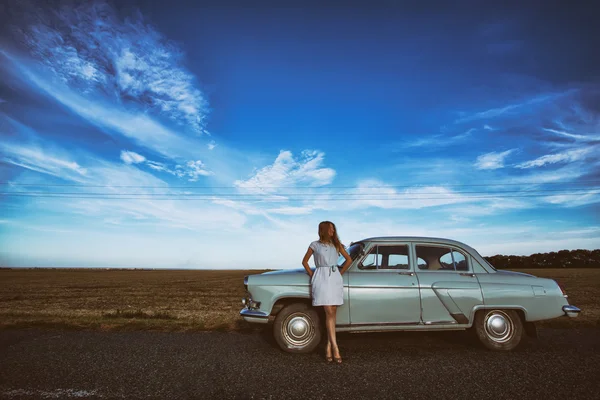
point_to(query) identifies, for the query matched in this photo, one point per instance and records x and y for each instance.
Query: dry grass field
(182, 300)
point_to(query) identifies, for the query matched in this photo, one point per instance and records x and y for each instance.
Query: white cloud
(286, 171)
(91, 48)
(566, 156)
(193, 170)
(211, 145)
(37, 159)
(493, 160)
(438, 140)
(121, 199)
(575, 199)
(129, 157)
(509, 109)
(373, 193)
(291, 210)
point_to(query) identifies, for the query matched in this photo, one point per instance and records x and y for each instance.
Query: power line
(296, 187)
(274, 197)
(310, 195)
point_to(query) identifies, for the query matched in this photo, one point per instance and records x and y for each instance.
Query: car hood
(296, 276)
(513, 273)
(286, 272)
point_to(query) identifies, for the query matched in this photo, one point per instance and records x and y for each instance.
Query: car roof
(425, 239)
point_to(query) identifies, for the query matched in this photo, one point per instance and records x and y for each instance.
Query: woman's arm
(309, 253)
(348, 261)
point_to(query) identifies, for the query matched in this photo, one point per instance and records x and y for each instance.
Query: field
(184, 300)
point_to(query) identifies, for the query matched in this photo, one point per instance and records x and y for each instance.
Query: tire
(500, 330)
(297, 328)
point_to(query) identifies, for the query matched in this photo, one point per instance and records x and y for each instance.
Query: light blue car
(407, 284)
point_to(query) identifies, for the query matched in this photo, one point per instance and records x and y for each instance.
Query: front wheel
(498, 329)
(296, 328)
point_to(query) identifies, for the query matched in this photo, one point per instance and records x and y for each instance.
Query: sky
(219, 134)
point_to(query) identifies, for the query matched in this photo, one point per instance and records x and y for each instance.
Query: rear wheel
(498, 329)
(297, 328)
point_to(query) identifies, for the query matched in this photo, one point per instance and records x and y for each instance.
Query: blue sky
(218, 135)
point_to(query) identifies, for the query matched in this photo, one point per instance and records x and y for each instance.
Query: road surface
(561, 364)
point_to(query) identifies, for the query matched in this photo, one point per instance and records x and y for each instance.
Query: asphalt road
(561, 364)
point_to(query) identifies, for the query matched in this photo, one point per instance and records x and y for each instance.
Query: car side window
(460, 262)
(438, 258)
(385, 257)
(371, 261)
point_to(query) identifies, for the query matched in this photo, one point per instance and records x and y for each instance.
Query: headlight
(250, 304)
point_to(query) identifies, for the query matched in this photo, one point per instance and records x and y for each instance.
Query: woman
(326, 282)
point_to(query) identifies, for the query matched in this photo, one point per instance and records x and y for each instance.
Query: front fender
(269, 295)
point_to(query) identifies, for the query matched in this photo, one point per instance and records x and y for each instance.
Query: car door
(449, 289)
(383, 288)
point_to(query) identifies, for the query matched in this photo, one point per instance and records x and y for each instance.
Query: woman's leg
(330, 317)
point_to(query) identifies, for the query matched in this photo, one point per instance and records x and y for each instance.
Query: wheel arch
(283, 301)
(521, 311)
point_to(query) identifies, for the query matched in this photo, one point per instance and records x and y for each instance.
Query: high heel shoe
(328, 358)
(338, 360)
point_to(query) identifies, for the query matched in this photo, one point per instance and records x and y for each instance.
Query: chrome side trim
(440, 322)
(399, 328)
(377, 324)
(383, 287)
(571, 311)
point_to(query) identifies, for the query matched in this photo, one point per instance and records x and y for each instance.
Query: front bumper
(251, 312)
(260, 317)
(571, 311)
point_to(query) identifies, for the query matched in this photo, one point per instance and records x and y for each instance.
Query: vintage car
(409, 283)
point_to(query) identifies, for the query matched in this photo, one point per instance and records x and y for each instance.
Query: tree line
(560, 259)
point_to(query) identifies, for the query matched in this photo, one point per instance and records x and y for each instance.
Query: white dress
(326, 283)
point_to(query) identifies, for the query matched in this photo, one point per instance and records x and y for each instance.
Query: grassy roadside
(191, 301)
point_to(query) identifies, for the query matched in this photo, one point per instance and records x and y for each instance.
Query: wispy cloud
(583, 138)
(288, 171)
(564, 157)
(191, 170)
(130, 157)
(493, 160)
(510, 109)
(437, 141)
(90, 48)
(34, 158)
(589, 197)
(126, 203)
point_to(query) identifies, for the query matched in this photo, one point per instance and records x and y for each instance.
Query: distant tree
(561, 259)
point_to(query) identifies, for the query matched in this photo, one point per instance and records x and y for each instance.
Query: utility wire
(276, 197)
(296, 187)
(567, 191)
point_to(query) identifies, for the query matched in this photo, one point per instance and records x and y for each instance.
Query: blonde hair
(325, 238)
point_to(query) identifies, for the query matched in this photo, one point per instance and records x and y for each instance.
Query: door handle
(472, 275)
(407, 273)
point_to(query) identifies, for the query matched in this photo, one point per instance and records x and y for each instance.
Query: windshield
(353, 252)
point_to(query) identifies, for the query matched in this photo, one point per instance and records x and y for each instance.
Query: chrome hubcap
(298, 330)
(498, 326)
